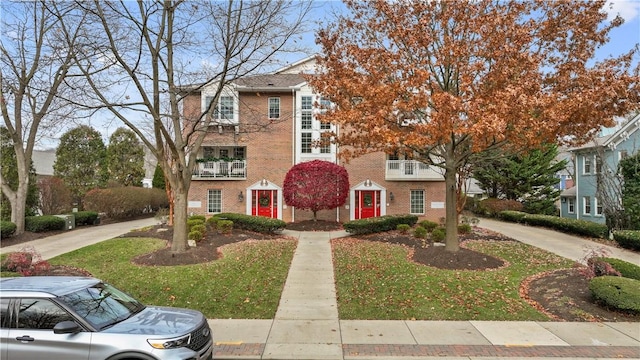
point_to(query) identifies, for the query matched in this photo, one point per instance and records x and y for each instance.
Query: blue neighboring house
(595, 167)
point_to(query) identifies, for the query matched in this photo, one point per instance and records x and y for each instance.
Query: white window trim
(584, 165)
(571, 206)
(209, 194)
(269, 106)
(586, 201)
(595, 207)
(423, 202)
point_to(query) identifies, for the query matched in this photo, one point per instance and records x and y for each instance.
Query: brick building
(264, 125)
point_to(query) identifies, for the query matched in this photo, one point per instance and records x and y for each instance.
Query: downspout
(578, 207)
(293, 141)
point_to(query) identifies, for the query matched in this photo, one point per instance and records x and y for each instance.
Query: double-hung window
(417, 202)
(598, 207)
(214, 201)
(586, 205)
(586, 169)
(571, 206)
(274, 108)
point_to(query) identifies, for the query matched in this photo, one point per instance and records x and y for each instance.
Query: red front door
(264, 203)
(367, 204)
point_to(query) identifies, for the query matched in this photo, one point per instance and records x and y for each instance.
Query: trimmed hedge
(378, 224)
(420, 232)
(617, 292)
(625, 268)
(225, 226)
(85, 217)
(629, 239)
(512, 216)
(7, 228)
(44, 223)
(403, 228)
(259, 224)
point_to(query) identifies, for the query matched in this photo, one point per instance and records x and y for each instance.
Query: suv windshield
(102, 305)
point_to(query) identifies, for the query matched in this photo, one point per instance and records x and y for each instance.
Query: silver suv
(68, 318)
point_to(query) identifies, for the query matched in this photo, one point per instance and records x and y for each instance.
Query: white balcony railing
(236, 169)
(411, 170)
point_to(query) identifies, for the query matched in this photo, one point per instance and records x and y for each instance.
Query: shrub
(428, 224)
(512, 216)
(85, 218)
(598, 267)
(212, 222)
(259, 224)
(492, 207)
(617, 292)
(225, 226)
(572, 226)
(378, 224)
(420, 232)
(464, 228)
(195, 235)
(198, 217)
(125, 202)
(27, 262)
(403, 228)
(44, 223)
(438, 234)
(629, 239)
(7, 228)
(199, 227)
(626, 269)
(193, 222)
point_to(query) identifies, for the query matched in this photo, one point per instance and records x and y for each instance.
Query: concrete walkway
(568, 246)
(307, 326)
(62, 243)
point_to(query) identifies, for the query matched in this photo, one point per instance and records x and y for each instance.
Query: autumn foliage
(316, 185)
(446, 80)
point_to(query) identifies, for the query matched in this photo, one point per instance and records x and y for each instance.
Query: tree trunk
(451, 221)
(180, 243)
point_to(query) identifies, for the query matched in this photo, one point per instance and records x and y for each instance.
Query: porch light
(564, 199)
(391, 197)
(367, 183)
(264, 182)
(240, 197)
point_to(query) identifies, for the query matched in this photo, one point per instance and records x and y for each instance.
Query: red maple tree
(445, 81)
(316, 185)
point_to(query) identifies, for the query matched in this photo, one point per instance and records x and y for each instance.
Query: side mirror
(66, 327)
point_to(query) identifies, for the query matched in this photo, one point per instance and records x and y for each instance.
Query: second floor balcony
(411, 170)
(221, 170)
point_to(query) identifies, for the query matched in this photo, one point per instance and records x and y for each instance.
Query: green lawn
(374, 280)
(377, 281)
(245, 284)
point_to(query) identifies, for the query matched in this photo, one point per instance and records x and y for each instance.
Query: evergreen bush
(44, 223)
(428, 224)
(378, 224)
(259, 224)
(512, 216)
(85, 217)
(617, 292)
(7, 228)
(420, 232)
(438, 234)
(403, 228)
(629, 239)
(625, 268)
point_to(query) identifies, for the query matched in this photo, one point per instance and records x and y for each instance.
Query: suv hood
(159, 321)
